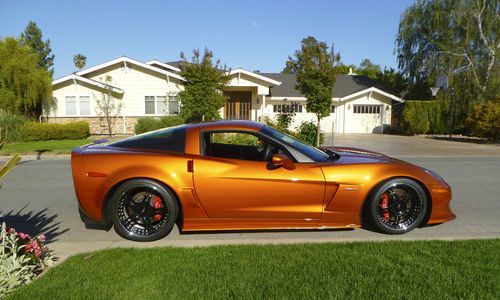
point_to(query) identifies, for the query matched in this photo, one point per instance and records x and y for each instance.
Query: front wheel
(397, 206)
(143, 210)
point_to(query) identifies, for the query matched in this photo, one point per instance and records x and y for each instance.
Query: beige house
(151, 89)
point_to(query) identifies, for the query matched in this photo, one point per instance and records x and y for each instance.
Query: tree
(32, 37)
(24, 86)
(202, 96)
(456, 38)
(314, 66)
(369, 69)
(80, 61)
(107, 106)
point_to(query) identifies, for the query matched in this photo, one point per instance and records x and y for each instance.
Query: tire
(143, 210)
(397, 206)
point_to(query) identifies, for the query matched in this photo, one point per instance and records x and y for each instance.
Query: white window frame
(78, 106)
(158, 98)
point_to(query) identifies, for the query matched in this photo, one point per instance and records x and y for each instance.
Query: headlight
(434, 174)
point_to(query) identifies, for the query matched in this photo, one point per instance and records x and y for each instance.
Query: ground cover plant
(55, 147)
(363, 270)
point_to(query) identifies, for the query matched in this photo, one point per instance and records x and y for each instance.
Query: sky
(254, 35)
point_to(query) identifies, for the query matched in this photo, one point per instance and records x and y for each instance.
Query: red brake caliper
(384, 205)
(157, 204)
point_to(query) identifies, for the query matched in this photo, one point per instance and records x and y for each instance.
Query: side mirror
(281, 160)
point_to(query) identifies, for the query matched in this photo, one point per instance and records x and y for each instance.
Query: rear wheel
(397, 206)
(143, 210)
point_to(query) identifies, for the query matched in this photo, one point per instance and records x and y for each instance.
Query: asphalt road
(38, 196)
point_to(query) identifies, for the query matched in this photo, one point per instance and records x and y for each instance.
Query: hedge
(49, 131)
(484, 120)
(146, 124)
(425, 116)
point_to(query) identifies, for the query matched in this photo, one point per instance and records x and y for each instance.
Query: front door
(234, 180)
(238, 105)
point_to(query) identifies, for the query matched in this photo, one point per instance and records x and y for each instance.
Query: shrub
(22, 258)
(415, 118)
(49, 131)
(307, 132)
(11, 128)
(146, 124)
(484, 120)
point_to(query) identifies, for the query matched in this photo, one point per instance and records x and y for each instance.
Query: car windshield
(310, 151)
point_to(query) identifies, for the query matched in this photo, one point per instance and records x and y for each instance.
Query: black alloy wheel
(398, 206)
(143, 210)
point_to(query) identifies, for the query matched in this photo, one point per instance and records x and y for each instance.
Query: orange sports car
(243, 175)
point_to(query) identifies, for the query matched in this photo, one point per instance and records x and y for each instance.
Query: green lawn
(55, 147)
(369, 270)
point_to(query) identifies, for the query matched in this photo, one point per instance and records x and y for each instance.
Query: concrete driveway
(38, 196)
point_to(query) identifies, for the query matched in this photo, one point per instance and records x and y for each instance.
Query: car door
(231, 184)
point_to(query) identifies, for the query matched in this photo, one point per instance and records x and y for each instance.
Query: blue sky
(255, 35)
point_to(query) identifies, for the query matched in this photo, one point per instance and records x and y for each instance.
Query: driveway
(38, 196)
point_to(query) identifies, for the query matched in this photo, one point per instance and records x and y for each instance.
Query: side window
(237, 145)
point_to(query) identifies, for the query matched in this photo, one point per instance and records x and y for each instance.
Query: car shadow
(264, 230)
(34, 223)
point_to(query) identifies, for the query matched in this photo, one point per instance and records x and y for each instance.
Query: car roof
(231, 124)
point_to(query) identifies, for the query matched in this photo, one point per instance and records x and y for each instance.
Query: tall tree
(80, 61)
(23, 84)
(314, 65)
(108, 108)
(203, 95)
(33, 38)
(457, 38)
(369, 69)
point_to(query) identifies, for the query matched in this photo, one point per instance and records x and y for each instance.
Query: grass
(369, 270)
(54, 147)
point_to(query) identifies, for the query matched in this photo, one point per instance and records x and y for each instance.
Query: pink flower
(28, 248)
(41, 238)
(11, 230)
(36, 248)
(24, 236)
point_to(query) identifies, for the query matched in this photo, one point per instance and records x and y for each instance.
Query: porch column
(263, 107)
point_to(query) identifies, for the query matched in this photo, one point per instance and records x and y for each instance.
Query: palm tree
(80, 61)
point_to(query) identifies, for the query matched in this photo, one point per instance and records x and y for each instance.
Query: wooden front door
(238, 105)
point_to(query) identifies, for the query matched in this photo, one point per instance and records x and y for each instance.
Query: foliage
(234, 139)
(11, 127)
(32, 38)
(202, 96)
(107, 107)
(314, 66)
(80, 61)
(307, 133)
(146, 124)
(48, 131)
(24, 86)
(459, 269)
(485, 120)
(415, 118)
(6, 167)
(22, 258)
(455, 38)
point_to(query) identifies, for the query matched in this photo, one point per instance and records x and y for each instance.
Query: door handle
(190, 166)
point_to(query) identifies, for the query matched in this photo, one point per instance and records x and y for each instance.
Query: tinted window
(310, 151)
(168, 139)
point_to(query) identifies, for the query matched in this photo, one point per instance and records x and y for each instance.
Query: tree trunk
(318, 133)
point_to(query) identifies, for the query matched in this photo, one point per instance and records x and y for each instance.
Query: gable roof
(125, 59)
(345, 85)
(256, 75)
(88, 81)
(164, 65)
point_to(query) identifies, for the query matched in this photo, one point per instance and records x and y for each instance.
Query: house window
(70, 105)
(149, 105)
(367, 109)
(332, 109)
(173, 105)
(158, 105)
(287, 108)
(84, 105)
(161, 105)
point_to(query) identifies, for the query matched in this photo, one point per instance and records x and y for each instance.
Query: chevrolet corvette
(244, 175)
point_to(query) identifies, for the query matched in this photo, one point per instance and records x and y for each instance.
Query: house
(151, 89)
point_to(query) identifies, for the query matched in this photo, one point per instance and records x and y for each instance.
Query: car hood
(351, 155)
